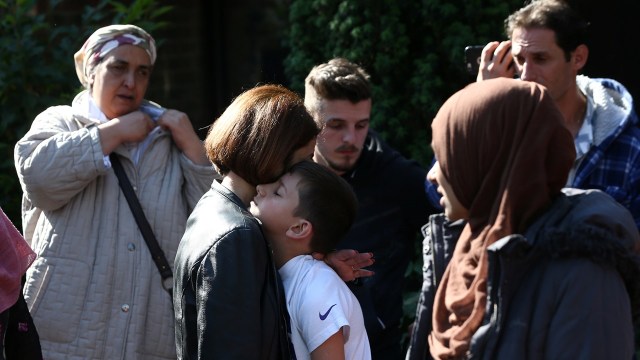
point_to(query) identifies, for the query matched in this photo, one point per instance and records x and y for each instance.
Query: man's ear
(301, 230)
(580, 56)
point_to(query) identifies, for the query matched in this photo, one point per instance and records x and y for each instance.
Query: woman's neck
(240, 187)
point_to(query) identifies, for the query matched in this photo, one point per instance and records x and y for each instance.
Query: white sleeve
(323, 310)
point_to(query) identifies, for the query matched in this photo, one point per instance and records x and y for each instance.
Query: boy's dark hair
(259, 132)
(556, 15)
(327, 201)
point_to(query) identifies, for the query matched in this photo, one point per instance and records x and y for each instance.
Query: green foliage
(143, 13)
(37, 71)
(414, 52)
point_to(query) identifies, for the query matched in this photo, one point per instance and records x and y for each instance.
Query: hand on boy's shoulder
(348, 263)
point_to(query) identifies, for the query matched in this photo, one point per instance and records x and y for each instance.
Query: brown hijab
(502, 145)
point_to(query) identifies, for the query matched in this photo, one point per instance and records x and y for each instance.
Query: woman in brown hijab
(537, 271)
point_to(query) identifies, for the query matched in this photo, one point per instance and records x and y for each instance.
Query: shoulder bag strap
(147, 233)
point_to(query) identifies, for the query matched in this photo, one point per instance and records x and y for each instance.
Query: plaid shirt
(583, 140)
(612, 164)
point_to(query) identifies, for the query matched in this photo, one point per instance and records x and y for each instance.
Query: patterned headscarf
(502, 146)
(105, 39)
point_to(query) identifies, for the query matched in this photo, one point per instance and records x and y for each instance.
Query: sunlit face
(453, 209)
(275, 203)
(344, 130)
(120, 81)
(538, 58)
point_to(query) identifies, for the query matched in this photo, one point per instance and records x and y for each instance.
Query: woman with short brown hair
(257, 135)
(228, 298)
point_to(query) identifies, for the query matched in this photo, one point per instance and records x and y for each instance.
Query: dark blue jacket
(392, 208)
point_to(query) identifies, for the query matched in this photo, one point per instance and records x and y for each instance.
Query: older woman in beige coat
(94, 290)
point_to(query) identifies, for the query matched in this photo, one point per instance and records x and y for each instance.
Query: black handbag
(147, 233)
(19, 337)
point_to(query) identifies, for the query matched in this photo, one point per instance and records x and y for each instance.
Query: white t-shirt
(319, 304)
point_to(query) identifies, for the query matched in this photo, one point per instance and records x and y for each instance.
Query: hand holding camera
(490, 61)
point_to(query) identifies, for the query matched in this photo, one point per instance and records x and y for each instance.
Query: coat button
(125, 308)
(131, 246)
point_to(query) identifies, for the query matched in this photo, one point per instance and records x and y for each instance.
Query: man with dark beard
(390, 191)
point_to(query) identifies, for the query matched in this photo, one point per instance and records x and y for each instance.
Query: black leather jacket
(226, 294)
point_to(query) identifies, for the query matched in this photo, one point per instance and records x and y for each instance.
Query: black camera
(472, 58)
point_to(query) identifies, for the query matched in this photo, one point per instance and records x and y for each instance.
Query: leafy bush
(36, 68)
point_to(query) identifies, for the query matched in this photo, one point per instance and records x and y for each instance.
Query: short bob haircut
(258, 133)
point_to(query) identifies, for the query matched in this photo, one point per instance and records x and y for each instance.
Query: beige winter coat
(94, 291)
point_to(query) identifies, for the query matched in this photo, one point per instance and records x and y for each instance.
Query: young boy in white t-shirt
(308, 210)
